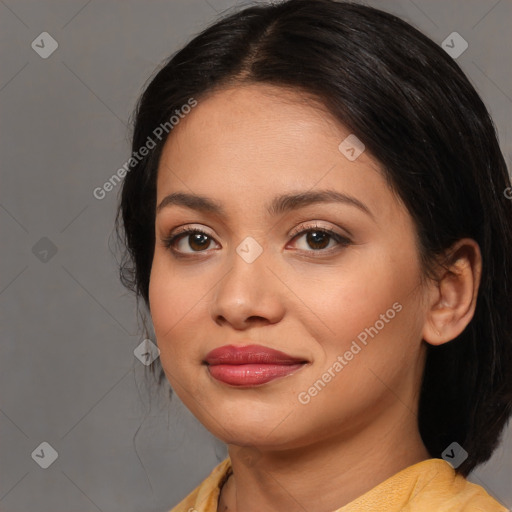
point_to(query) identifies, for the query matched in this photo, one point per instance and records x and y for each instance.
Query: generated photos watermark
(137, 156)
(305, 397)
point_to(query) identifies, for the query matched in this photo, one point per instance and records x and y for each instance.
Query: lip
(248, 354)
(250, 365)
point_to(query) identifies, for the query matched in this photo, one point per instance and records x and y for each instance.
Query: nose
(249, 294)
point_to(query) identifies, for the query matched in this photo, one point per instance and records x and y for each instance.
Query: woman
(320, 229)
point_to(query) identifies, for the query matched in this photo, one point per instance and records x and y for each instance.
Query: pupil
(201, 239)
(312, 239)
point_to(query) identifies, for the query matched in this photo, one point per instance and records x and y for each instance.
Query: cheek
(171, 301)
(173, 298)
(353, 296)
(372, 296)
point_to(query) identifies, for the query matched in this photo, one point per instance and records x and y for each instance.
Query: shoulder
(428, 486)
(474, 498)
(205, 496)
(448, 491)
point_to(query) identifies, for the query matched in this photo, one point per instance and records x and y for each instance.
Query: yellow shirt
(428, 486)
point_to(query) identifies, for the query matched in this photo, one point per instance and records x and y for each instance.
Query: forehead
(251, 142)
(243, 117)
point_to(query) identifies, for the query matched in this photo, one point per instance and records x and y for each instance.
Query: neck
(342, 468)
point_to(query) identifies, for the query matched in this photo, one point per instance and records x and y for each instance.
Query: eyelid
(311, 225)
(186, 228)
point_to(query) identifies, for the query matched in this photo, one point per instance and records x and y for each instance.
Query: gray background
(68, 375)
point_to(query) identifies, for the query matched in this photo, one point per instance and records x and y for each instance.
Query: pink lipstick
(250, 365)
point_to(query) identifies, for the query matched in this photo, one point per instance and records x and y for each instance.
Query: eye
(196, 239)
(317, 239)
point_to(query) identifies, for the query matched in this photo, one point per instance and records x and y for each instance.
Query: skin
(242, 147)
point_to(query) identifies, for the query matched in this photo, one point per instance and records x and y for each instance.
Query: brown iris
(314, 238)
(199, 241)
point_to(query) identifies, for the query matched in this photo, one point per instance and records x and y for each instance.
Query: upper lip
(247, 354)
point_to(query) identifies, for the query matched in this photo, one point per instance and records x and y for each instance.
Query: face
(330, 281)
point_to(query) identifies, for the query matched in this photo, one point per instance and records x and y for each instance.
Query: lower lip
(251, 374)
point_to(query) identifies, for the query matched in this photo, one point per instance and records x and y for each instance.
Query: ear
(452, 298)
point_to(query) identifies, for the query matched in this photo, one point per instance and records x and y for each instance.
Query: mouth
(250, 365)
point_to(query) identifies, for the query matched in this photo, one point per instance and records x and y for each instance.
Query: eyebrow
(279, 205)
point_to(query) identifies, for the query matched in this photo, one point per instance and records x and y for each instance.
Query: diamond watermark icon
(44, 249)
(351, 147)
(146, 352)
(248, 456)
(454, 45)
(249, 249)
(45, 455)
(455, 455)
(44, 45)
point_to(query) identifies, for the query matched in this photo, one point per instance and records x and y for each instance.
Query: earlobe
(452, 298)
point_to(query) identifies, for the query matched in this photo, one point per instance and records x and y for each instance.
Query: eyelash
(341, 240)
